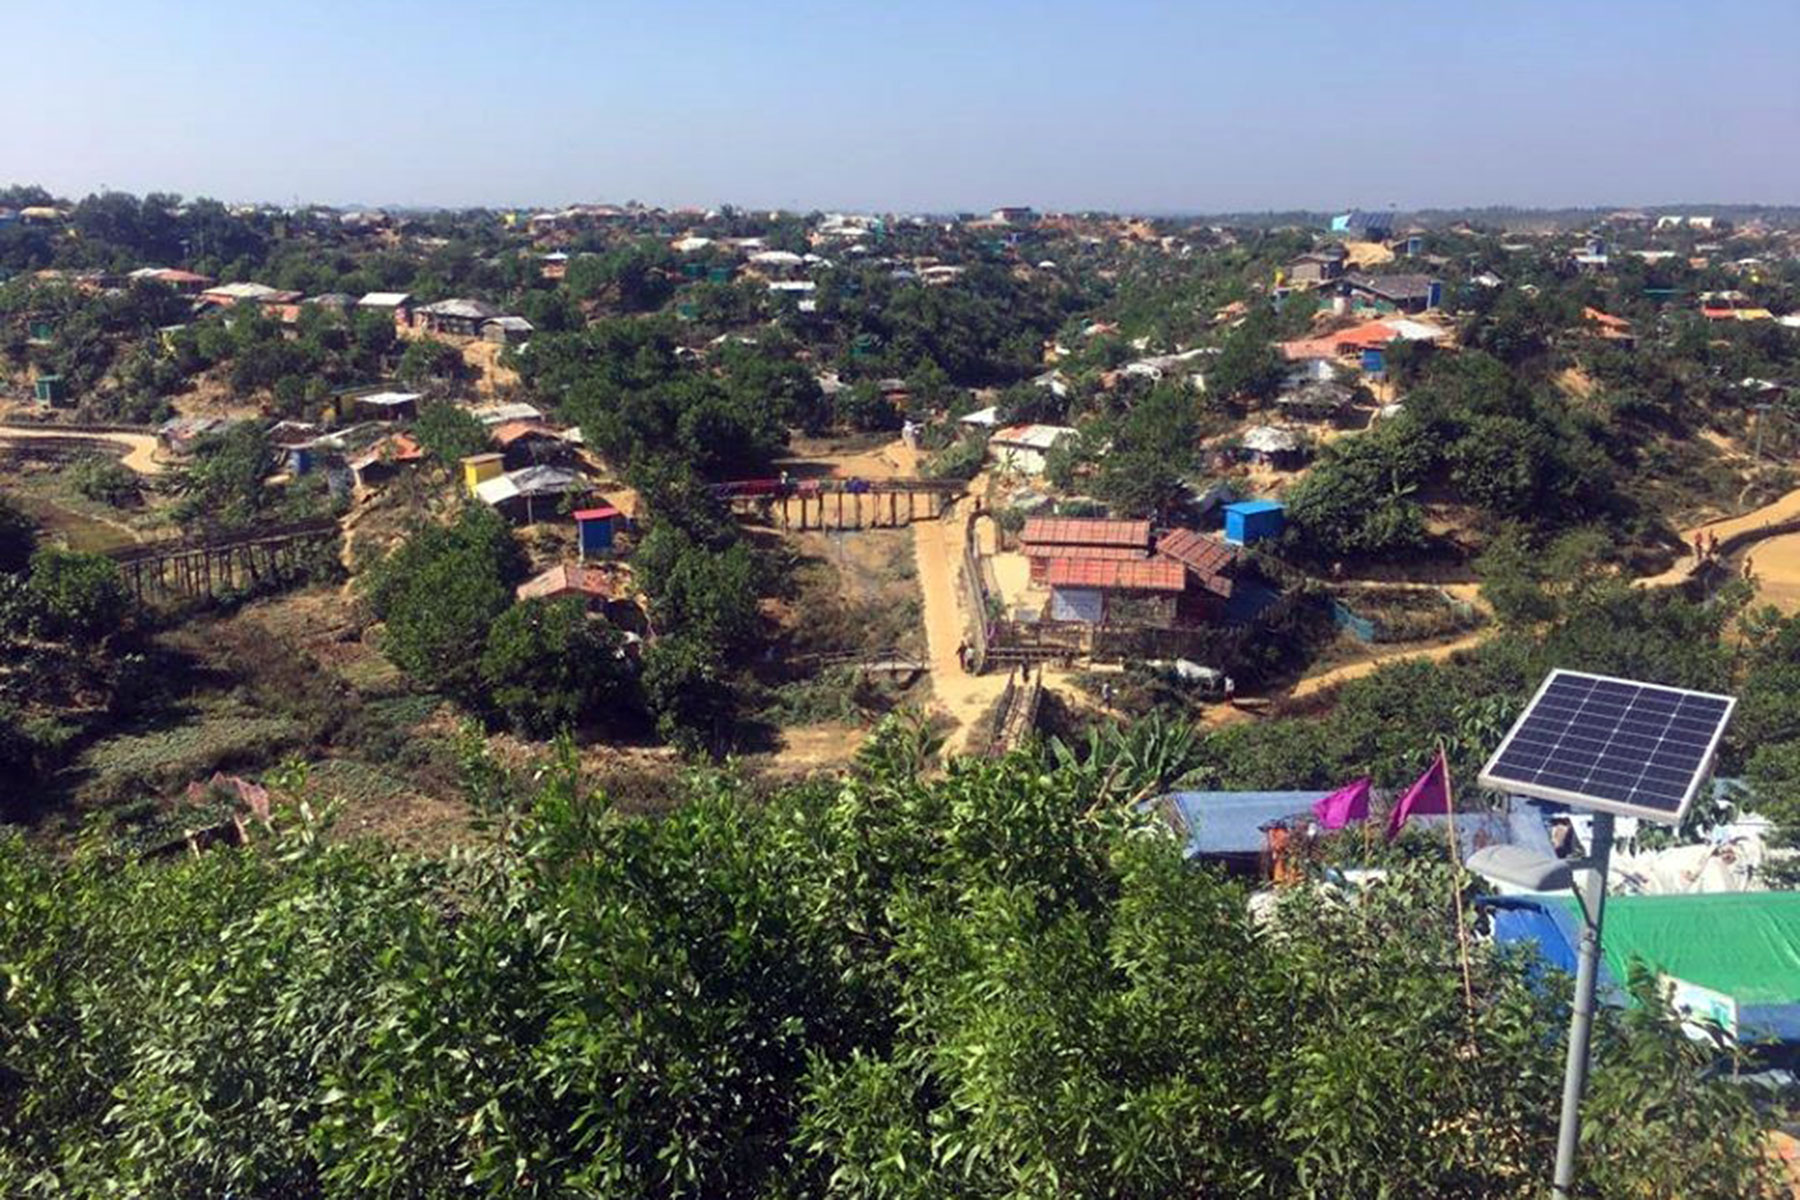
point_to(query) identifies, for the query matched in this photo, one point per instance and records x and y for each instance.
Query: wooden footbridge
(1019, 705)
(204, 567)
(840, 504)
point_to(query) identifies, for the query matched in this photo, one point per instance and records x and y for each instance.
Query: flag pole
(1462, 931)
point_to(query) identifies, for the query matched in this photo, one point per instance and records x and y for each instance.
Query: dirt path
(937, 545)
(140, 453)
(1356, 670)
(1779, 570)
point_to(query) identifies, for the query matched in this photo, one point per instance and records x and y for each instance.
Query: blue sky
(936, 104)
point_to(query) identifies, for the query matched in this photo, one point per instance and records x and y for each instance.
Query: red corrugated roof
(596, 514)
(1208, 558)
(1085, 531)
(1367, 336)
(508, 432)
(565, 578)
(1115, 553)
(1154, 575)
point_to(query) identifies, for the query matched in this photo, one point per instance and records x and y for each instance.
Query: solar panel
(1611, 744)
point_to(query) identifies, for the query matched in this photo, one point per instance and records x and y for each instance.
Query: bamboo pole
(1462, 931)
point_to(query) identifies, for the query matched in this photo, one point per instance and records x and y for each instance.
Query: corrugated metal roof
(1031, 437)
(567, 577)
(1393, 287)
(508, 432)
(1153, 575)
(1113, 553)
(1208, 558)
(468, 310)
(1085, 531)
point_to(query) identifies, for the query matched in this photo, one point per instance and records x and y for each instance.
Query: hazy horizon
(1132, 107)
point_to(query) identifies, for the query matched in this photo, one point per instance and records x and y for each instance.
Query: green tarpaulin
(1745, 944)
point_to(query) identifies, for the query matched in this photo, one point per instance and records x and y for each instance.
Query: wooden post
(1462, 932)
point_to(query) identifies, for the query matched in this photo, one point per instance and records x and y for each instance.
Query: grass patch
(135, 765)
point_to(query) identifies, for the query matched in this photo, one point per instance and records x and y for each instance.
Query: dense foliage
(989, 985)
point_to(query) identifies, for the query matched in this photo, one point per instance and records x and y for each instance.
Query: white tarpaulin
(1077, 604)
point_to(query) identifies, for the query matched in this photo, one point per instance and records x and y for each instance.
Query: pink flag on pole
(1431, 794)
(1349, 803)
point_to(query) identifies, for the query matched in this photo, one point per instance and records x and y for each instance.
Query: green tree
(78, 595)
(449, 433)
(427, 361)
(18, 536)
(439, 592)
(548, 666)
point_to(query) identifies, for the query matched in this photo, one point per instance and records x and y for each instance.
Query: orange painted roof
(1606, 319)
(396, 447)
(1366, 336)
(1152, 575)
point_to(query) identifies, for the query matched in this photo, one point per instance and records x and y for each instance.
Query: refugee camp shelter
(459, 317)
(385, 458)
(1233, 829)
(1390, 293)
(479, 468)
(1026, 448)
(531, 495)
(596, 528)
(1250, 521)
(1732, 958)
(1209, 563)
(1045, 539)
(388, 406)
(1110, 592)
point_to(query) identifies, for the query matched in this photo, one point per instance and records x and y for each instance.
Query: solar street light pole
(1581, 1020)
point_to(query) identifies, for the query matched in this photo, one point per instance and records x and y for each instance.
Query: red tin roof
(1153, 575)
(1085, 531)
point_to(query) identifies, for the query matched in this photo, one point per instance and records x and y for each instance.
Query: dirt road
(1776, 562)
(937, 545)
(140, 455)
(1356, 670)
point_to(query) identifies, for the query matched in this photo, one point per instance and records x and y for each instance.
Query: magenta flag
(1349, 803)
(1431, 794)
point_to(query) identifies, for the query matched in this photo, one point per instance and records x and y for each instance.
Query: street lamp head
(1522, 868)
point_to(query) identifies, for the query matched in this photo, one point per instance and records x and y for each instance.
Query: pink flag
(1431, 794)
(1349, 803)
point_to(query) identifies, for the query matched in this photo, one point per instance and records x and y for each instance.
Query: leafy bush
(999, 982)
(78, 595)
(18, 536)
(104, 480)
(548, 666)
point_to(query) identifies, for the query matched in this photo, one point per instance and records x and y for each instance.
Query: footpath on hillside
(140, 448)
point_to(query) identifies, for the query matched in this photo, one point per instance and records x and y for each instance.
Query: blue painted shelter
(1374, 360)
(1232, 827)
(595, 528)
(1250, 521)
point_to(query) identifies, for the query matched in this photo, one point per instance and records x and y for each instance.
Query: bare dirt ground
(1368, 254)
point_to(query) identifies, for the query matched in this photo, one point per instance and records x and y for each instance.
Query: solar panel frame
(1623, 760)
